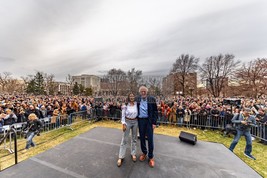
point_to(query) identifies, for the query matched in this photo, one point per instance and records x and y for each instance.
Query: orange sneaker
(151, 162)
(142, 157)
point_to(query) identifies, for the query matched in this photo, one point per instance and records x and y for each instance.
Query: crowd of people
(179, 110)
(173, 110)
(16, 109)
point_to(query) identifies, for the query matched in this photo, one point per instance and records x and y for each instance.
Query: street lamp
(179, 93)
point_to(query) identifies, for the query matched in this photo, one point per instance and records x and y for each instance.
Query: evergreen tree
(76, 89)
(31, 86)
(39, 83)
(88, 92)
(81, 89)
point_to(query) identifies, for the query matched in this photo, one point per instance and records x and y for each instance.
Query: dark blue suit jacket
(152, 109)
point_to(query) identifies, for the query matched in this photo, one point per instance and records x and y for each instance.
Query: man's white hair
(143, 87)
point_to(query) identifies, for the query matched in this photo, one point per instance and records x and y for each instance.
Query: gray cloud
(7, 59)
(240, 31)
(76, 37)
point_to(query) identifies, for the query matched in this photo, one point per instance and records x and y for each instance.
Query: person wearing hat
(244, 121)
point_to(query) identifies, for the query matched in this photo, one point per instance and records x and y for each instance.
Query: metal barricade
(213, 122)
(99, 114)
(11, 131)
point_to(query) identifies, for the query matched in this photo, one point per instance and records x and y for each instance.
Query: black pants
(146, 129)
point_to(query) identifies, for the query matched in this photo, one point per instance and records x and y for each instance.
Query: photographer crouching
(32, 128)
(244, 121)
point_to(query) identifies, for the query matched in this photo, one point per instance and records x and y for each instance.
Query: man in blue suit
(147, 121)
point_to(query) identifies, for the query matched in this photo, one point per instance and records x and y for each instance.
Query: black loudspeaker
(188, 137)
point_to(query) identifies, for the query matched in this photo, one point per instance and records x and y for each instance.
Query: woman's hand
(124, 127)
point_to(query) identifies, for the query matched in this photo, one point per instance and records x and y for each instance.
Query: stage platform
(94, 154)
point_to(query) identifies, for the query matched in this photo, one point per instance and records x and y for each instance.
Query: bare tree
(252, 76)
(133, 77)
(217, 70)
(154, 84)
(183, 66)
(116, 78)
(13, 85)
(70, 81)
(50, 83)
(26, 81)
(4, 79)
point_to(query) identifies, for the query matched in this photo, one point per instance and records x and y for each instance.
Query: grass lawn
(52, 138)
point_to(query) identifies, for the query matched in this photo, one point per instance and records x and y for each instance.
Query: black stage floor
(94, 154)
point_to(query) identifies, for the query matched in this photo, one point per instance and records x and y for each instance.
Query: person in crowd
(112, 110)
(163, 113)
(172, 117)
(10, 117)
(49, 111)
(261, 117)
(228, 116)
(32, 128)
(98, 110)
(244, 121)
(118, 110)
(236, 110)
(2, 115)
(83, 107)
(215, 117)
(43, 111)
(129, 123)
(147, 121)
(194, 111)
(105, 110)
(260, 114)
(203, 116)
(63, 114)
(21, 115)
(180, 113)
(75, 105)
(70, 110)
(187, 116)
(89, 110)
(264, 127)
(34, 110)
(55, 119)
(160, 116)
(166, 112)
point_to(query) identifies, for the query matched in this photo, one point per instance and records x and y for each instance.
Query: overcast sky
(76, 37)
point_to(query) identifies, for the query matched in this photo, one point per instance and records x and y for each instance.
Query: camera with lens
(37, 132)
(24, 133)
(249, 123)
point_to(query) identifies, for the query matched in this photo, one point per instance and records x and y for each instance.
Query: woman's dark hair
(128, 97)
